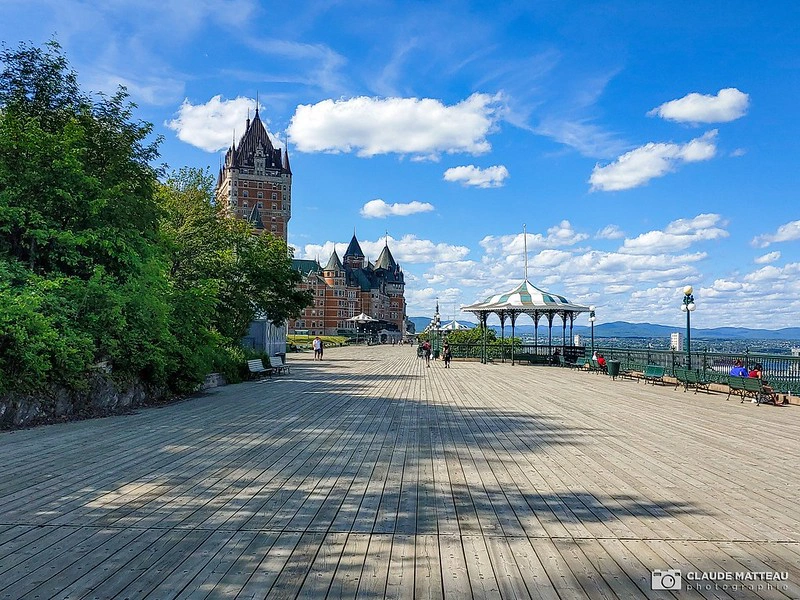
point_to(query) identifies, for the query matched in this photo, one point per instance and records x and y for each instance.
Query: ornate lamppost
(592, 320)
(688, 306)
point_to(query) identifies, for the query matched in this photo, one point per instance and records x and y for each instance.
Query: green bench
(563, 362)
(749, 387)
(531, 359)
(691, 378)
(653, 373)
(632, 370)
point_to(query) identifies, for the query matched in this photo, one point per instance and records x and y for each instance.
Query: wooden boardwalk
(369, 476)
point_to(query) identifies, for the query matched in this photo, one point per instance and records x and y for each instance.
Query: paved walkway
(367, 475)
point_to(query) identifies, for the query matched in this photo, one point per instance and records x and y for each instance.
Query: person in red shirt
(601, 362)
(757, 373)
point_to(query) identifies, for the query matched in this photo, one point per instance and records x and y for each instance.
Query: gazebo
(455, 326)
(361, 320)
(526, 299)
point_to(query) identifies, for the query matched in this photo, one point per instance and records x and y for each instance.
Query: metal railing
(782, 371)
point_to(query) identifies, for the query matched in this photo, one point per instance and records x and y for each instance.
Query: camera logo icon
(669, 579)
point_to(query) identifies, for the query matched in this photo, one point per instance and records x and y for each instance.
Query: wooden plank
(455, 577)
(376, 567)
(350, 567)
(320, 575)
(207, 578)
(427, 569)
(509, 578)
(481, 575)
(400, 579)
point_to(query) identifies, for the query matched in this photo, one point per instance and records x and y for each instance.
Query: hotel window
(274, 206)
(260, 205)
(274, 195)
(259, 185)
(245, 193)
(260, 194)
(274, 228)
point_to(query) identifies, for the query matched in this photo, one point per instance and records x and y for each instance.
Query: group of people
(600, 360)
(757, 372)
(447, 354)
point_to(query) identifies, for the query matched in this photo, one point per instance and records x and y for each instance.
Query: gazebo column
(549, 333)
(513, 321)
(571, 322)
(502, 316)
(536, 317)
(563, 332)
(484, 318)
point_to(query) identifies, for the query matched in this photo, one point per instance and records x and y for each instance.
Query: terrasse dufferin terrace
(368, 475)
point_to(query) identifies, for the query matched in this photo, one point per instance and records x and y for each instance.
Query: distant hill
(623, 329)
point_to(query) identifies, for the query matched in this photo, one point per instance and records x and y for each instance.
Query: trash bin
(436, 354)
(613, 368)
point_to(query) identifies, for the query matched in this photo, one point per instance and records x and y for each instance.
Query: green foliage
(471, 336)
(99, 262)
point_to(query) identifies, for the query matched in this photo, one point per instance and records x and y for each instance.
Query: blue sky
(645, 145)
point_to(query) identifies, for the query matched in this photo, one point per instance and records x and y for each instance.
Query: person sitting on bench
(757, 372)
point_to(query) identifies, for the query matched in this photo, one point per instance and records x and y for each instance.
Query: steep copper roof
(386, 260)
(255, 140)
(334, 264)
(354, 249)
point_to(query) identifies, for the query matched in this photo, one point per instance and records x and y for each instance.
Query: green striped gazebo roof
(524, 298)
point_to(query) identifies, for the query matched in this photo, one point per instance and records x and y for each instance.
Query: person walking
(426, 351)
(317, 345)
(447, 355)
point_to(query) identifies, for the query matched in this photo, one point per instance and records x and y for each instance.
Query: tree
(81, 273)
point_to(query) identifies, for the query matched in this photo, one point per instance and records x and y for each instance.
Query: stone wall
(101, 397)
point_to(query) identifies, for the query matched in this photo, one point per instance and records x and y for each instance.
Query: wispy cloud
(610, 232)
(639, 166)
(378, 209)
(727, 105)
(764, 259)
(786, 233)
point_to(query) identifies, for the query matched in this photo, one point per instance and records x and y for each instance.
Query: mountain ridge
(625, 329)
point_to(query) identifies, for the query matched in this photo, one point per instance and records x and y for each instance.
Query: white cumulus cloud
(378, 209)
(678, 235)
(369, 126)
(211, 126)
(475, 176)
(786, 233)
(642, 164)
(728, 105)
(560, 235)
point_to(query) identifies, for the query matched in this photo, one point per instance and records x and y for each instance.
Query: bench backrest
(752, 384)
(275, 362)
(255, 365)
(682, 374)
(737, 383)
(653, 371)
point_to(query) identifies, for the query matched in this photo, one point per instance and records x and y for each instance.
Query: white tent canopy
(362, 318)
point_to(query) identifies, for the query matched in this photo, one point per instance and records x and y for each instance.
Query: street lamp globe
(688, 290)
